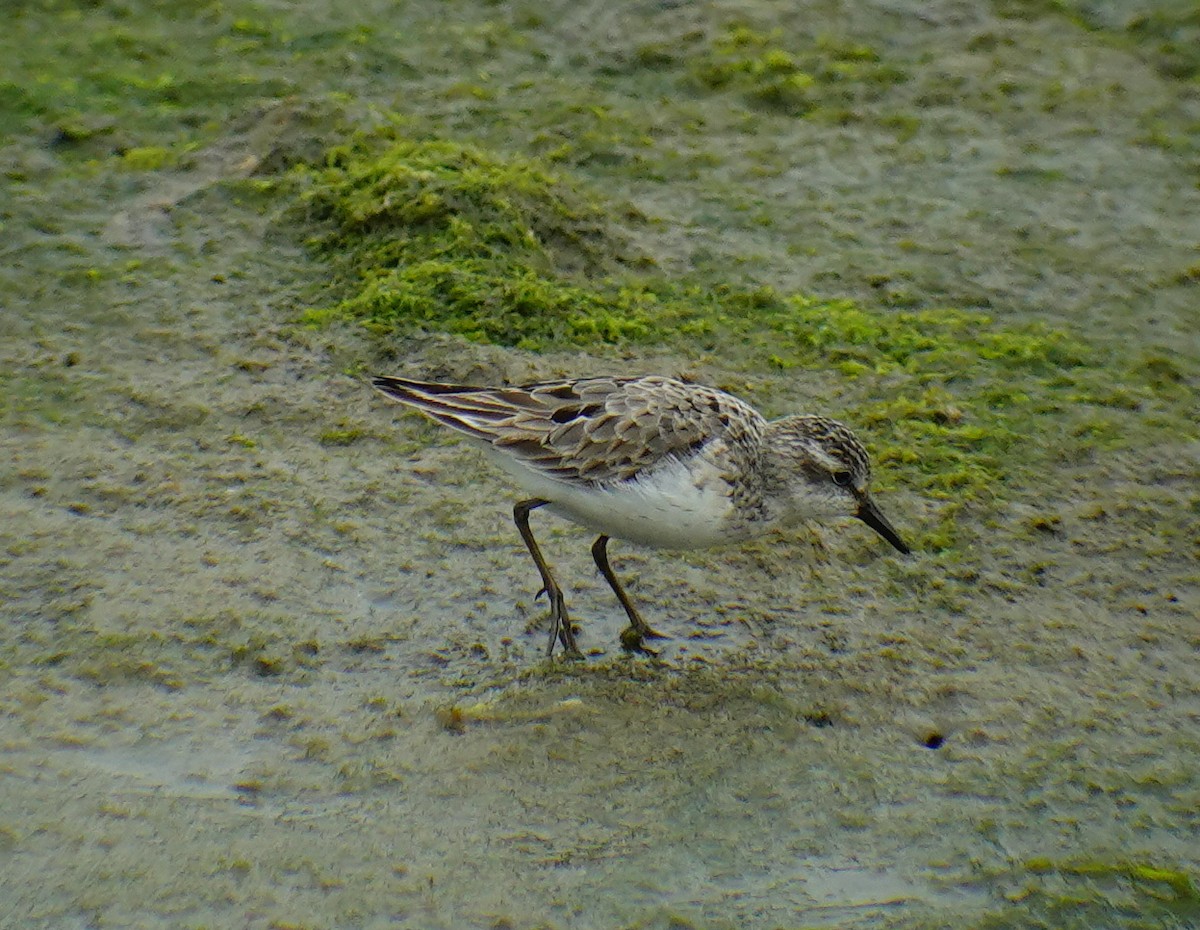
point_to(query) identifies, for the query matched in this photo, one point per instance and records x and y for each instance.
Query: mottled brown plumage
(591, 429)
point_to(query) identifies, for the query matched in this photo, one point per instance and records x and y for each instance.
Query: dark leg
(638, 629)
(560, 623)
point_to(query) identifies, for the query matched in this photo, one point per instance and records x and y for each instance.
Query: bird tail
(472, 410)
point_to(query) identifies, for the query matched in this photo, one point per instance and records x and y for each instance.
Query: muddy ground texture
(269, 650)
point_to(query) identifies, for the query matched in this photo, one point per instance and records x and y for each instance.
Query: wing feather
(591, 430)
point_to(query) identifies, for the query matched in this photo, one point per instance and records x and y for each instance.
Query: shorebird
(654, 461)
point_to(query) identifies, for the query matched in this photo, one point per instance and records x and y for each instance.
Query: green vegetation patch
(1168, 884)
(448, 237)
(1081, 894)
(89, 70)
(826, 73)
(1172, 37)
(52, 398)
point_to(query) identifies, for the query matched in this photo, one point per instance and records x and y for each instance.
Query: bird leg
(560, 623)
(638, 630)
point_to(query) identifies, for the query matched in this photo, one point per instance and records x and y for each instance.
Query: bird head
(818, 468)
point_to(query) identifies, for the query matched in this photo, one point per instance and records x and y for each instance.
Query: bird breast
(678, 504)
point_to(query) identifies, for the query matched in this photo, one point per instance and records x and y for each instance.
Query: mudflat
(270, 655)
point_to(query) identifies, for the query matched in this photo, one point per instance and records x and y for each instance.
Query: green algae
(1083, 893)
(346, 436)
(1171, 38)
(1079, 894)
(826, 74)
(51, 399)
(1163, 882)
(148, 158)
(452, 238)
(95, 72)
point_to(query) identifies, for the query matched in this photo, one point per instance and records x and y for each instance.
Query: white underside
(676, 506)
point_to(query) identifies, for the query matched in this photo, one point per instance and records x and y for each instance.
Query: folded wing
(589, 430)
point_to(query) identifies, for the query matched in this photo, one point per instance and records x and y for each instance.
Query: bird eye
(842, 479)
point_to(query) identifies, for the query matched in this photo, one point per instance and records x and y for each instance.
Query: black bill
(873, 517)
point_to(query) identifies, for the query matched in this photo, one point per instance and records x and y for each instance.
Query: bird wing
(587, 430)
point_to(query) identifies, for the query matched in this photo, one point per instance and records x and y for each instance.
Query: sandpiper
(654, 461)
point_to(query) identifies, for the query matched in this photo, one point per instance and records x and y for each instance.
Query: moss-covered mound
(448, 237)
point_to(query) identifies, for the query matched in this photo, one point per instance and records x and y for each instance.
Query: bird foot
(632, 640)
(572, 654)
